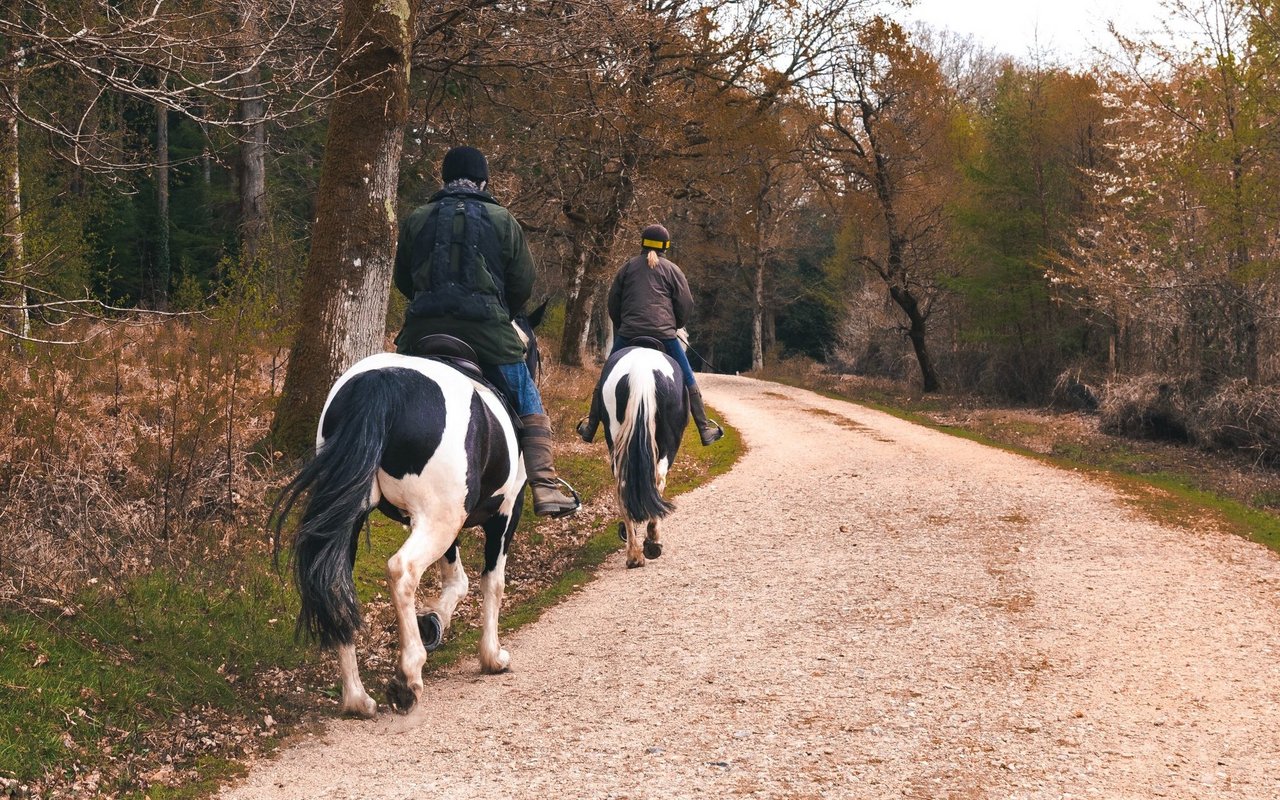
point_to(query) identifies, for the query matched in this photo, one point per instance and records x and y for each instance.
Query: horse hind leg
(652, 540)
(356, 701)
(635, 555)
(428, 541)
(433, 623)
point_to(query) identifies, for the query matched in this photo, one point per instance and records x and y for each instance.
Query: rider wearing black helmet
(650, 297)
(462, 261)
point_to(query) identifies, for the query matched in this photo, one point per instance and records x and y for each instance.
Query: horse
(642, 401)
(432, 446)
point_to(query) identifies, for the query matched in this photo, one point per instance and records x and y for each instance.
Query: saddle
(461, 356)
(646, 341)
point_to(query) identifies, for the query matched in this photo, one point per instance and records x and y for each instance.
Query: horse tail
(340, 479)
(635, 451)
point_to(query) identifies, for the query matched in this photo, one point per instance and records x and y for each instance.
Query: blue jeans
(673, 348)
(522, 391)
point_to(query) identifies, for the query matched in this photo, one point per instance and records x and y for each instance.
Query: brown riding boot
(548, 499)
(708, 429)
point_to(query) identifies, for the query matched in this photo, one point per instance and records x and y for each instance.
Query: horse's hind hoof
(431, 630)
(399, 696)
(652, 549)
(622, 531)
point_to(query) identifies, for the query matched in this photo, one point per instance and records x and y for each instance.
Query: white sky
(1067, 30)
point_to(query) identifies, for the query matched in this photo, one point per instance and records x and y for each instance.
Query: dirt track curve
(862, 608)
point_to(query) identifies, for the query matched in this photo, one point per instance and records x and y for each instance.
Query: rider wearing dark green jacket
(488, 332)
(462, 261)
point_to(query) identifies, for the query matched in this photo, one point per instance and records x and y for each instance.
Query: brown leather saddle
(461, 356)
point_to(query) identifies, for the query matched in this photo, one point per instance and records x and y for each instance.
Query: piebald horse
(432, 447)
(641, 400)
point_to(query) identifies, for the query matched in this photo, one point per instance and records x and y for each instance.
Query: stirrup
(577, 499)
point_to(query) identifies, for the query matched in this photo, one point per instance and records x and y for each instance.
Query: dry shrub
(1146, 407)
(1073, 392)
(130, 449)
(1242, 416)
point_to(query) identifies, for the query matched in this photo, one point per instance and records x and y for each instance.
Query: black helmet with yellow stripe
(655, 237)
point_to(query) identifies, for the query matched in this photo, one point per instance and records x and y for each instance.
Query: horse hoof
(363, 708)
(399, 696)
(622, 531)
(652, 549)
(431, 630)
(500, 664)
(635, 564)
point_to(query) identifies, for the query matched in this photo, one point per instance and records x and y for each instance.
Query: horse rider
(462, 261)
(650, 297)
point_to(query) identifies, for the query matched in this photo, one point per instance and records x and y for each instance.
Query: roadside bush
(1244, 417)
(131, 448)
(1146, 407)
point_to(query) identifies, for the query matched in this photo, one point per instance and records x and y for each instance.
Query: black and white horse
(431, 447)
(641, 400)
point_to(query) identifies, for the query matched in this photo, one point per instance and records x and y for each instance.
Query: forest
(200, 202)
(199, 217)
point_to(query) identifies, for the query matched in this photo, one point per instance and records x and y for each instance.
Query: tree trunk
(342, 314)
(160, 298)
(916, 333)
(592, 271)
(757, 317)
(12, 256)
(252, 167)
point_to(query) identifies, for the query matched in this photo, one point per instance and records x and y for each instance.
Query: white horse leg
(453, 587)
(635, 553)
(355, 700)
(493, 582)
(428, 540)
(493, 657)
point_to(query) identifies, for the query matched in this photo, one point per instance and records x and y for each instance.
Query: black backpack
(457, 263)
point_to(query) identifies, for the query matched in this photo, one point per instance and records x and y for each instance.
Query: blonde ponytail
(653, 259)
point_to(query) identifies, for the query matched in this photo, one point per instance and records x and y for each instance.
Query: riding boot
(548, 499)
(708, 429)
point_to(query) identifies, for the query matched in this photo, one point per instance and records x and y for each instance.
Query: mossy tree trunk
(342, 307)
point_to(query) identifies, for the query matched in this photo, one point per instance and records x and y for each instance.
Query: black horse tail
(340, 479)
(635, 452)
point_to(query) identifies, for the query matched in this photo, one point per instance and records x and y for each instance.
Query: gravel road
(862, 608)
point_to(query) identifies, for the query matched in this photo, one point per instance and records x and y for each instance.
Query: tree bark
(916, 333)
(342, 314)
(757, 316)
(160, 293)
(12, 254)
(252, 167)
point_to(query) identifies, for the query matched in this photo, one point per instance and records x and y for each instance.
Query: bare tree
(342, 312)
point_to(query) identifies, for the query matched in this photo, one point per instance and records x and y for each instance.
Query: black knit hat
(655, 237)
(464, 162)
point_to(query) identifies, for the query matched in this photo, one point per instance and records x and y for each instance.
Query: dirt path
(861, 608)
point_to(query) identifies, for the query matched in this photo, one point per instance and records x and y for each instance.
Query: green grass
(127, 661)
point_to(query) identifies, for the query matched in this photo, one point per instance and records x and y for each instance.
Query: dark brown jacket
(649, 301)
